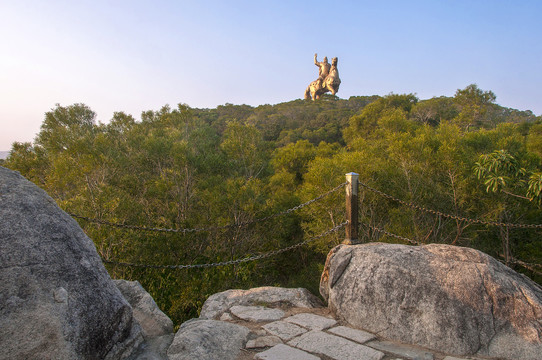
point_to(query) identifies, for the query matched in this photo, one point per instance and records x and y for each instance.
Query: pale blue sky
(134, 56)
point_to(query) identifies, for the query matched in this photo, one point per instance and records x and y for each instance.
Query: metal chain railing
(210, 228)
(230, 262)
(528, 266)
(455, 217)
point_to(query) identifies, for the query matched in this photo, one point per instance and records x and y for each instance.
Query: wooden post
(352, 209)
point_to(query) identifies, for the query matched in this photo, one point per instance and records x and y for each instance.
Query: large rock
(451, 299)
(57, 301)
(157, 327)
(208, 340)
(217, 304)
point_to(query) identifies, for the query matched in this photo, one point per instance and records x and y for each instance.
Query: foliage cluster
(196, 168)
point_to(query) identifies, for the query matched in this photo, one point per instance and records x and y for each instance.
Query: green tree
(365, 123)
(66, 127)
(475, 105)
(434, 111)
(294, 159)
(246, 149)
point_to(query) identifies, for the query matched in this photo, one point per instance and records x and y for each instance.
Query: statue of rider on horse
(328, 79)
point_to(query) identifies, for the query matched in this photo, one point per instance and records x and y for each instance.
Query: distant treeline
(191, 168)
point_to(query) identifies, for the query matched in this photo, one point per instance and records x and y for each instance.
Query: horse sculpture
(329, 84)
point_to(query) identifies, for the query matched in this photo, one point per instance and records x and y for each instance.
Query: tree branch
(518, 196)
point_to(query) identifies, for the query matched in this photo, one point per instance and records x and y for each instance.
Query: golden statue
(328, 79)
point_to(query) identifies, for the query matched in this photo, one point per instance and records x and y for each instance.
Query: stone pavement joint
(312, 321)
(284, 330)
(406, 351)
(335, 347)
(285, 352)
(358, 336)
(256, 313)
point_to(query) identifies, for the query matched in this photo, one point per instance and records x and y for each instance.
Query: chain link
(231, 262)
(526, 265)
(455, 217)
(211, 228)
(374, 228)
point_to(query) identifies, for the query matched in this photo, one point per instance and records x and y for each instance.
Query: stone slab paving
(284, 330)
(257, 313)
(311, 321)
(335, 347)
(285, 352)
(310, 336)
(359, 336)
(405, 351)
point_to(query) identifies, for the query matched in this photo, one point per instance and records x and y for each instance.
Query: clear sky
(134, 55)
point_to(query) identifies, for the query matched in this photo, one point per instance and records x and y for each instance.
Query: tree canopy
(221, 169)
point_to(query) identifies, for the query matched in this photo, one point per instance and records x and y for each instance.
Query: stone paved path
(313, 334)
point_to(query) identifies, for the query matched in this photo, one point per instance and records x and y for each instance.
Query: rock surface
(300, 333)
(451, 299)
(285, 339)
(219, 303)
(358, 336)
(263, 341)
(410, 352)
(256, 313)
(335, 347)
(157, 327)
(284, 330)
(285, 352)
(57, 301)
(208, 340)
(311, 321)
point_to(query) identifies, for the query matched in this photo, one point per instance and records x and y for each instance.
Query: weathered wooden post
(352, 209)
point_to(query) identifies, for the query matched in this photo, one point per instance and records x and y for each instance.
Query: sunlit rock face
(451, 299)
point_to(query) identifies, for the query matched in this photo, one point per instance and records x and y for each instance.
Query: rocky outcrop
(219, 303)
(57, 301)
(157, 327)
(208, 340)
(451, 299)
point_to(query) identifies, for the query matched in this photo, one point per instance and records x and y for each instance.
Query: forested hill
(217, 170)
(292, 121)
(324, 120)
